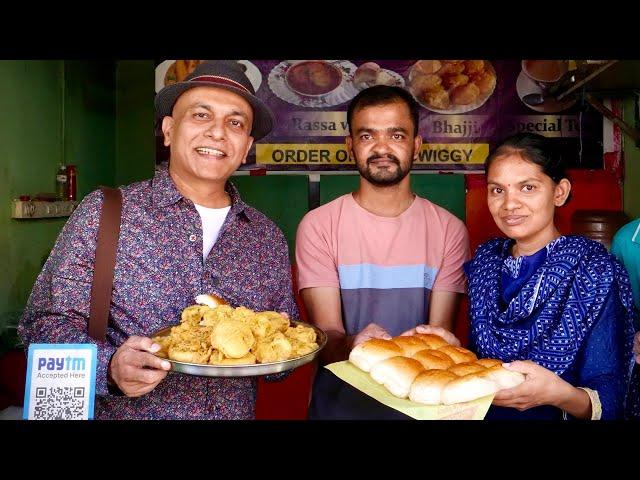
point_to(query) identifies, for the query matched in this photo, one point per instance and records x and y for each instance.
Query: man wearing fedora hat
(183, 233)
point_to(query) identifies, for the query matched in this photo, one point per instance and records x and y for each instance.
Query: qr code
(59, 403)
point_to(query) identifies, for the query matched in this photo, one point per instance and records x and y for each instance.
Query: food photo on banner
(466, 108)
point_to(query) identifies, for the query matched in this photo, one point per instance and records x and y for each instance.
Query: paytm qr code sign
(61, 381)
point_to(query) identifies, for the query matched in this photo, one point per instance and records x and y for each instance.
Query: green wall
(135, 142)
(30, 149)
(90, 122)
(446, 191)
(631, 163)
(106, 149)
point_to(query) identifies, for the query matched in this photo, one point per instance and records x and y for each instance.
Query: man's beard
(383, 177)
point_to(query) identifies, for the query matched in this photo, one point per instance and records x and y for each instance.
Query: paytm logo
(61, 363)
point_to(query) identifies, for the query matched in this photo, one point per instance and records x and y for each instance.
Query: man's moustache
(383, 157)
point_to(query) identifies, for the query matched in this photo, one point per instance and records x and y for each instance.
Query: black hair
(534, 148)
(381, 95)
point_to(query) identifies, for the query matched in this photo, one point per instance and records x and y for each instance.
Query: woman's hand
(433, 330)
(636, 346)
(540, 387)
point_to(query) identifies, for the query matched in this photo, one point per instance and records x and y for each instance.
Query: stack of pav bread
(426, 369)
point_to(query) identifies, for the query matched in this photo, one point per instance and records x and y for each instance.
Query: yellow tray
(474, 410)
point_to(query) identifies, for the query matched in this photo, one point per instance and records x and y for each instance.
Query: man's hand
(636, 346)
(136, 371)
(433, 330)
(370, 331)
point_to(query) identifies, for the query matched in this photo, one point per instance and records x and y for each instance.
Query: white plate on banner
(418, 93)
(344, 92)
(525, 86)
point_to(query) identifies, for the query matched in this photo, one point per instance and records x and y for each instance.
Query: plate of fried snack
(452, 86)
(215, 339)
(425, 377)
(172, 71)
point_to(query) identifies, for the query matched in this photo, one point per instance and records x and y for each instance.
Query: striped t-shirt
(385, 267)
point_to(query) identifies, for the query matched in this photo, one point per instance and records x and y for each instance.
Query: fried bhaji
(224, 335)
(452, 84)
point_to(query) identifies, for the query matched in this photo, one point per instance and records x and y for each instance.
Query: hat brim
(263, 119)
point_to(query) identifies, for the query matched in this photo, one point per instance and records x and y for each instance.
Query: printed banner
(467, 107)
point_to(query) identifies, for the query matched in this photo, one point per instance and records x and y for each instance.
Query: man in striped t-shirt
(380, 261)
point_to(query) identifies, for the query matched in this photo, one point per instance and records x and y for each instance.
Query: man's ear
(417, 145)
(349, 143)
(246, 153)
(167, 128)
(561, 193)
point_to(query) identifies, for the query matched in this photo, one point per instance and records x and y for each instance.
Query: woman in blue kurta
(557, 308)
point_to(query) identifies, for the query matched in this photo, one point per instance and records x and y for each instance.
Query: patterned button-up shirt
(159, 271)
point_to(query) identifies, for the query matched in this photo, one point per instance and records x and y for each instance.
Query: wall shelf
(40, 209)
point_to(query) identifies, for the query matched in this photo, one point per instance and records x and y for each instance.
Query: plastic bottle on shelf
(72, 184)
(61, 182)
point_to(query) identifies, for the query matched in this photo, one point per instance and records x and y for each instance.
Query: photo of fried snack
(179, 70)
(370, 73)
(452, 86)
(224, 335)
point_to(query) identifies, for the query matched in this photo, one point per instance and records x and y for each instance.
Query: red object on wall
(477, 217)
(71, 182)
(13, 371)
(461, 326)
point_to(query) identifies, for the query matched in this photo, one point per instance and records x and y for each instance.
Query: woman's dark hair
(381, 95)
(534, 148)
